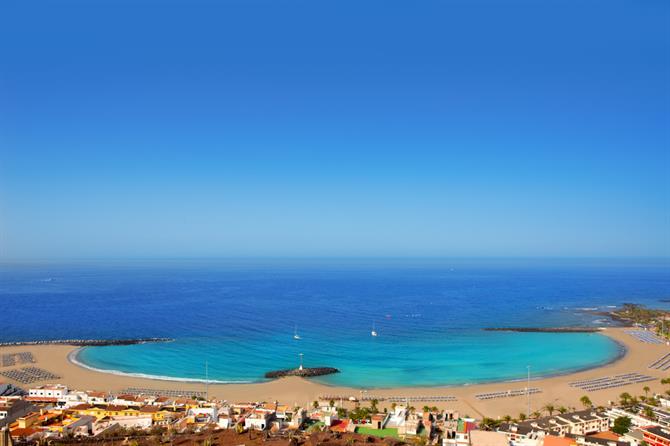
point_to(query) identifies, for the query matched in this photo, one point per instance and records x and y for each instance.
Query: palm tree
(562, 409)
(507, 418)
(665, 381)
(331, 403)
(648, 412)
(646, 390)
(315, 404)
(624, 398)
(536, 414)
(522, 416)
(373, 405)
(586, 401)
(549, 408)
(426, 408)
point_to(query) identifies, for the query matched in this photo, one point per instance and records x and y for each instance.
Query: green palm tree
(522, 416)
(646, 391)
(586, 401)
(549, 408)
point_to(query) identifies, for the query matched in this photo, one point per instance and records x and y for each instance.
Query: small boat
(296, 336)
(373, 332)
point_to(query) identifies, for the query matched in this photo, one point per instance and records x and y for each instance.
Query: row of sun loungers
(10, 359)
(164, 392)
(609, 382)
(507, 393)
(645, 336)
(28, 375)
(662, 363)
(395, 399)
(422, 399)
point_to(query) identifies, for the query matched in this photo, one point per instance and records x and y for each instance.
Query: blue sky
(334, 128)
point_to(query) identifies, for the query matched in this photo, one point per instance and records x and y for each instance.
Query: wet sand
(292, 390)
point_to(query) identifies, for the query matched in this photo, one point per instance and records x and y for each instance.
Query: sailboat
(296, 336)
(373, 332)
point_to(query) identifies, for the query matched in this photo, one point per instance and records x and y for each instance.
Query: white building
(48, 391)
(259, 419)
(636, 420)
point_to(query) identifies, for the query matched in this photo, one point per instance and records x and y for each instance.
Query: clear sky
(334, 128)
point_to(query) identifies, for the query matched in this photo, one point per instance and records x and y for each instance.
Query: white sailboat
(373, 332)
(296, 336)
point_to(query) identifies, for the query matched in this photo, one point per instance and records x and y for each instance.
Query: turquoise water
(239, 316)
(384, 361)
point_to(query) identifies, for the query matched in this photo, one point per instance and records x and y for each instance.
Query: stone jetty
(305, 372)
(87, 342)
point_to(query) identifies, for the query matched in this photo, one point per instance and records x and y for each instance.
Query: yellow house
(106, 411)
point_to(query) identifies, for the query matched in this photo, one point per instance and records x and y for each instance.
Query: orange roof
(606, 435)
(97, 394)
(115, 408)
(24, 432)
(339, 425)
(81, 407)
(551, 440)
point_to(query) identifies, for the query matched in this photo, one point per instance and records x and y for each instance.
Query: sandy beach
(554, 390)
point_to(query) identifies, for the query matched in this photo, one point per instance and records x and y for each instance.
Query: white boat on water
(373, 333)
(296, 336)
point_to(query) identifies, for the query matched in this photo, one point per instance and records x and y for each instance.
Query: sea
(232, 320)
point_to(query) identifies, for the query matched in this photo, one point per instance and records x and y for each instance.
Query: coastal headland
(557, 390)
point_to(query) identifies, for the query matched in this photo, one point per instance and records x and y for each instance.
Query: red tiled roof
(45, 399)
(24, 431)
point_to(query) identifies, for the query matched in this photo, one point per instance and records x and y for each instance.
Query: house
(48, 391)
(259, 419)
(141, 422)
(128, 400)
(377, 421)
(459, 435)
(298, 418)
(656, 435)
(633, 437)
(636, 420)
(583, 422)
(97, 397)
(487, 438)
(411, 426)
(553, 440)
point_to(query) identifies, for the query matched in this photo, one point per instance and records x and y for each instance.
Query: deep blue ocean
(240, 315)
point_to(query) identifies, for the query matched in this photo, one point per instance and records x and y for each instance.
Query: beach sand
(555, 390)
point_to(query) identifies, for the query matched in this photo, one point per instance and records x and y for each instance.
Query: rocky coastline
(87, 342)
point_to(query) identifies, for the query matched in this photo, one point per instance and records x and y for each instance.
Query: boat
(296, 336)
(373, 332)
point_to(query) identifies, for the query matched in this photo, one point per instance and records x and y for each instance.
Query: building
(48, 391)
(583, 422)
(259, 419)
(656, 435)
(487, 438)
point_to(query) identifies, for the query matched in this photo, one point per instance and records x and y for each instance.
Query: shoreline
(622, 350)
(73, 358)
(634, 356)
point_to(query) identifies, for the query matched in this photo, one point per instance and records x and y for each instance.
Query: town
(57, 414)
